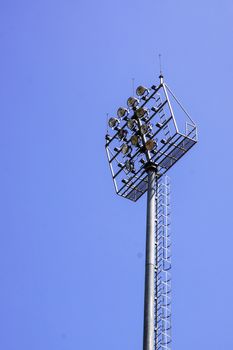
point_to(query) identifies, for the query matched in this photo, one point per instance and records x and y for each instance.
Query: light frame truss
(161, 128)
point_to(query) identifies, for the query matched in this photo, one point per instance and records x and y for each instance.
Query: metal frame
(172, 144)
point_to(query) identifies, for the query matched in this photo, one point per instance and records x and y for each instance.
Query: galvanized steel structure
(146, 139)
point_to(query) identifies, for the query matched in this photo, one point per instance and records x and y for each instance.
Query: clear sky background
(71, 251)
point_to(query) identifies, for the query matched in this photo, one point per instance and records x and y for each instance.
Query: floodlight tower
(147, 139)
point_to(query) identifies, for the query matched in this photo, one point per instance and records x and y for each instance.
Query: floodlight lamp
(132, 102)
(129, 165)
(150, 144)
(125, 148)
(122, 134)
(113, 122)
(122, 112)
(142, 112)
(142, 90)
(145, 128)
(131, 123)
(135, 140)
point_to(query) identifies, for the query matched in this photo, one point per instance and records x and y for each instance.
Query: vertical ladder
(163, 267)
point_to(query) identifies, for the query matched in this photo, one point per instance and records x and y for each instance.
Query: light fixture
(122, 134)
(129, 165)
(141, 112)
(144, 128)
(150, 144)
(135, 140)
(131, 123)
(142, 90)
(113, 122)
(132, 102)
(122, 112)
(125, 148)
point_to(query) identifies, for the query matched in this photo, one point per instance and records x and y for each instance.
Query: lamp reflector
(132, 102)
(129, 165)
(142, 90)
(135, 140)
(113, 122)
(141, 112)
(122, 134)
(150, 144)
(131, 123)
(125, 148)
(122, 112)
(144, 128)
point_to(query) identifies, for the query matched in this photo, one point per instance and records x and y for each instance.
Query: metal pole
(149, 298)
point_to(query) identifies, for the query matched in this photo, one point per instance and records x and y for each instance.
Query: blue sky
(72, 252)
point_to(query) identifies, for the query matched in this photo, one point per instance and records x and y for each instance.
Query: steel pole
(149, 297)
